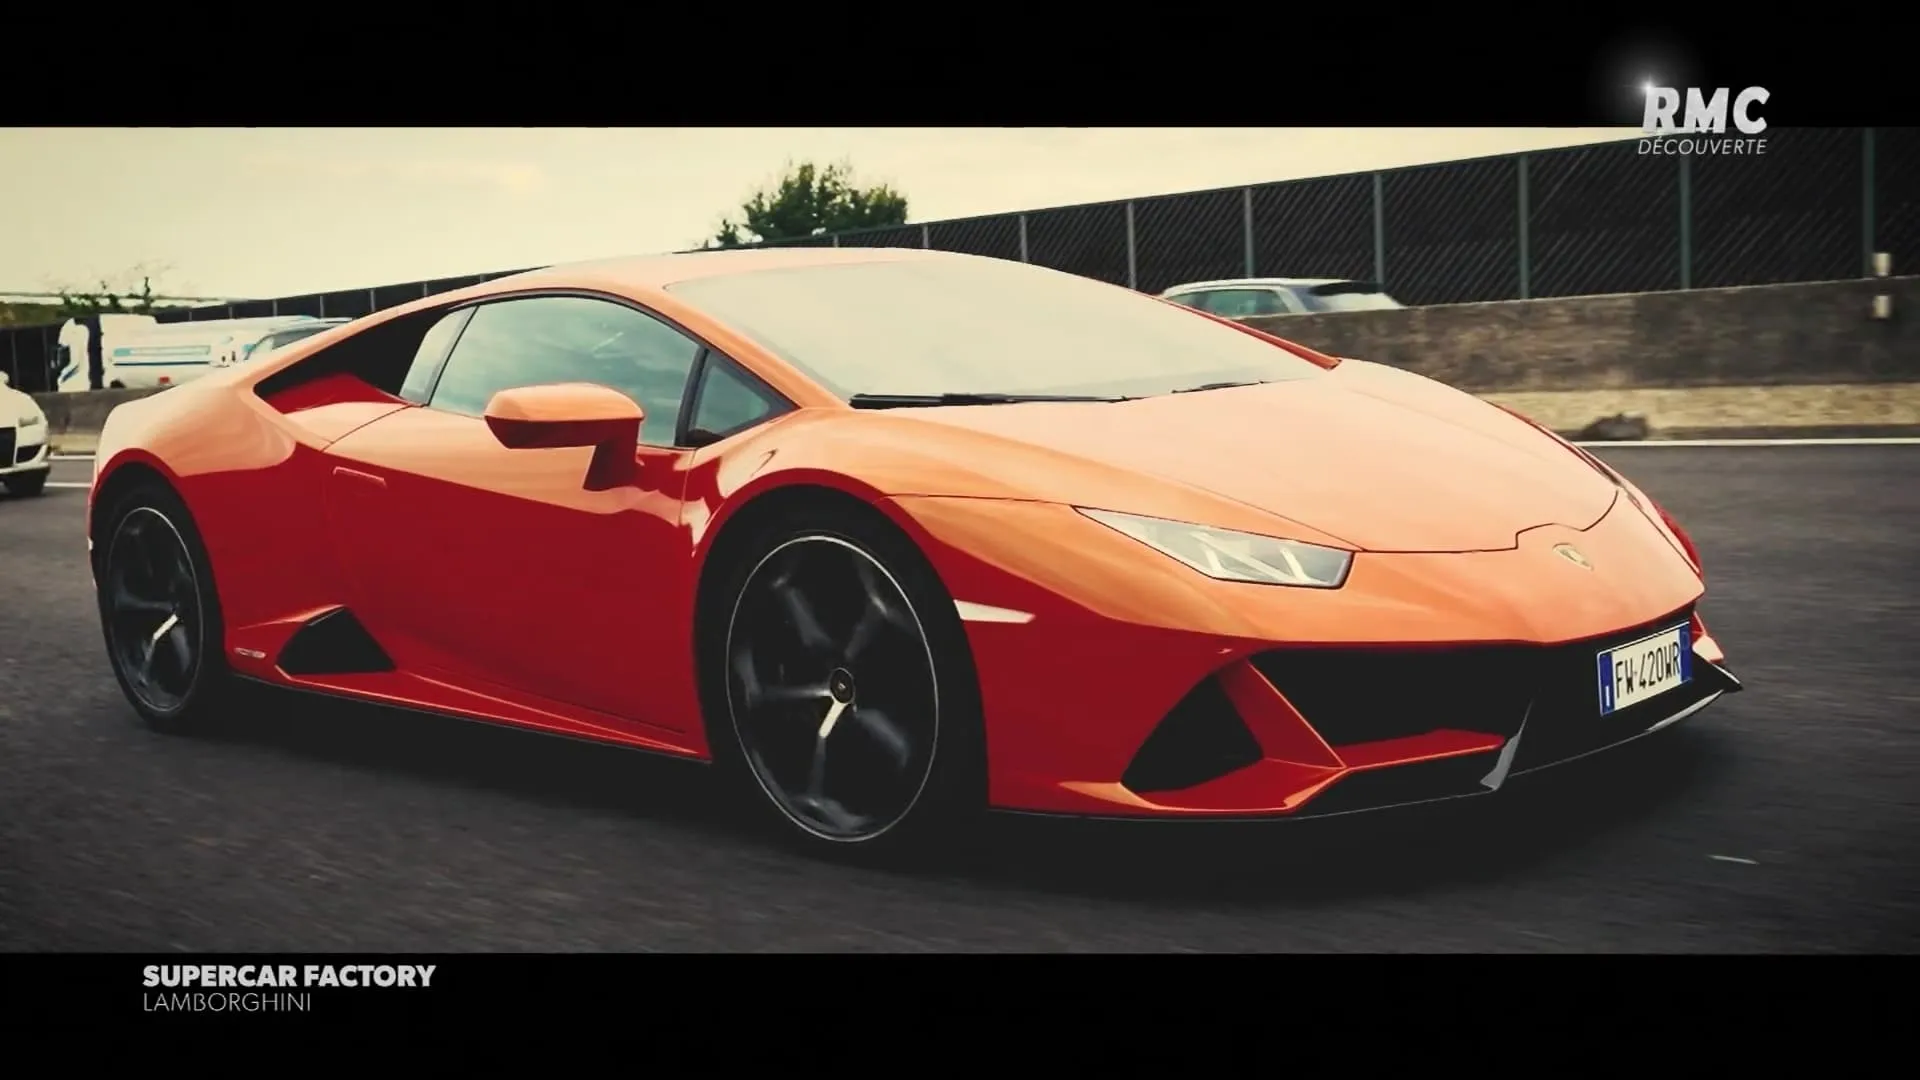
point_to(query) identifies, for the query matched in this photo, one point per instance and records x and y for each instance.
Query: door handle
(341, 472)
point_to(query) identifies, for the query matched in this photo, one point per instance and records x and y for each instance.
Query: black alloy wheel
(843, 688)
(157, 611)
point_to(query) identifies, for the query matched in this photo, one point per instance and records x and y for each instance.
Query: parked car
(1244, 297)
(246, 346)
(23, 441)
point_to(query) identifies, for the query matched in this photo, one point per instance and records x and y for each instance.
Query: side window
(1241, 303)
(555, 339)
(426, 359)
(1196, 300)
(1274, 302)
(730, 401)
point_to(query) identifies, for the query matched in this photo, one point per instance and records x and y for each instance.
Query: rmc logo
(1705, 115)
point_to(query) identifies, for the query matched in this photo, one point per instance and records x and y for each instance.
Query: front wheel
(159, 612)
(851, 700)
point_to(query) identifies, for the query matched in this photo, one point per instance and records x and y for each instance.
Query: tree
(107, 300)
(808, 201)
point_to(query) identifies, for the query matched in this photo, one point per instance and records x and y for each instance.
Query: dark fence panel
(1180, 238)
(1792, 214)
(901, 236)
(450, 284)
(28, 355)
(1452, 232)
(994, 237)
(394, 295)
(1314, 228)
(1896, 196)
(1602, 219)
(347, 304)
(1087, 240)
(309, 304)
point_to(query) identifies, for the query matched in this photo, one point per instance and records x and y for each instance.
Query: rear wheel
(24, 484)
(159, 612)
(850, 702)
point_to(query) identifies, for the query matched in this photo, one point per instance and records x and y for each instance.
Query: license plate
(1633, 673)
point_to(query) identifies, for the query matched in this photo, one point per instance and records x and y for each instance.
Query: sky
(261, 212)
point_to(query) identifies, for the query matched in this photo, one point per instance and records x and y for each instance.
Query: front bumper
(1116, 685)
(24, 450)
(1307, 733)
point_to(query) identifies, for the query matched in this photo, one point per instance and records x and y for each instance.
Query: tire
(146, 525)
(26, 485)
(904, 748)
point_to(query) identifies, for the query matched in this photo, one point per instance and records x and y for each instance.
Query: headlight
(33, 419)
(1235, 556)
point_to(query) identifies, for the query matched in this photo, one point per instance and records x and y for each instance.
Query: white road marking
(68, 484)
(1734, 859)
(1752, 442)
(69, 457)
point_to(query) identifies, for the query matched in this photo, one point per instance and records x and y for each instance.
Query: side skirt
(446, 714)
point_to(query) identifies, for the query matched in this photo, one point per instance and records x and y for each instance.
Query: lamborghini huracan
(891, 537)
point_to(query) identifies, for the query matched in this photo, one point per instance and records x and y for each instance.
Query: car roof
(1235, 283)
(660, 271)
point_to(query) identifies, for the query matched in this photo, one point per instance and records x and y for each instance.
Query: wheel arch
(729, 538)
(122, 476)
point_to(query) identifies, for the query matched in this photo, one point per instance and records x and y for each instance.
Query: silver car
(1242, 298)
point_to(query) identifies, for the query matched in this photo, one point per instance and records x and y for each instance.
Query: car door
(499, 566)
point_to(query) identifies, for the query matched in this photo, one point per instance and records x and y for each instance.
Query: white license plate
(1630, 674)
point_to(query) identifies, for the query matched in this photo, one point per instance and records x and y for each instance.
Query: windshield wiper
(921, 401)
(1218, 386)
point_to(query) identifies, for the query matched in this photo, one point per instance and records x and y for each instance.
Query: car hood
(1383, 459)
(15, 405)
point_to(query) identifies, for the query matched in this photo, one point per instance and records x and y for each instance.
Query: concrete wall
(83, 414)
(1765, 335)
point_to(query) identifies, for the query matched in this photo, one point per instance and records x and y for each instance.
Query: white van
(164, 354)
(70, 369)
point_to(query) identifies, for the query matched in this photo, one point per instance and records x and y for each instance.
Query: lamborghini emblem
(1572, 555)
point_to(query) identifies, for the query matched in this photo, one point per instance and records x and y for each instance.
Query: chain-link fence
(1602, 218)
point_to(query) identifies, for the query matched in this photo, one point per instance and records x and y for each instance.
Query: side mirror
(571, 414)
(5, 379)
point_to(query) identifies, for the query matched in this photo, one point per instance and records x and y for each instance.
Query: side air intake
(1201, 739)
(333, 644)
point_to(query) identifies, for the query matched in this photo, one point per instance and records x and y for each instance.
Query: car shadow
(554, 770)
(1294, 863)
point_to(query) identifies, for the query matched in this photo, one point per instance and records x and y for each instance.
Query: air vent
(1201, 739)
(333, 644)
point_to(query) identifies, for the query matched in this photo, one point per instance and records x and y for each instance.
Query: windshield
(969, 325)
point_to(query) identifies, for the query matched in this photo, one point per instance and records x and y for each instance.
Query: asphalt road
(1785, 819)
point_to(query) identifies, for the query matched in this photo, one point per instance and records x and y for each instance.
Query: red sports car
(894, 536)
